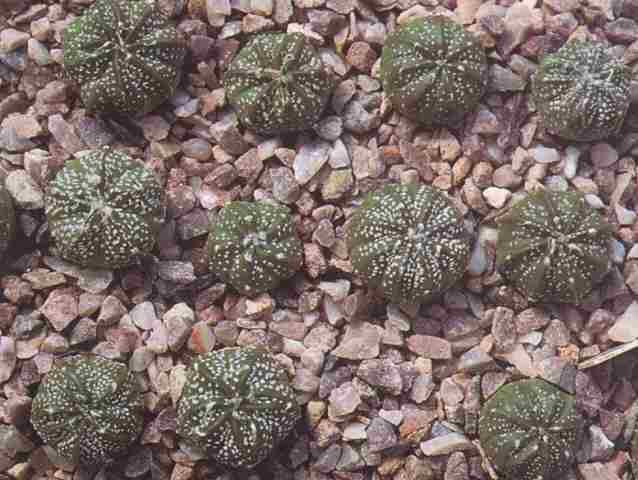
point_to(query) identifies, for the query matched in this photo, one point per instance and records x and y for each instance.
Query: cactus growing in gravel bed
(7, 219)
(237, 405)
(89, 409)
(530, 430)
(104, 209)
(433, 71)
(278, 84)
(553, 246)
(254, 246)
(408, 242)
(125, 55)
(582, 92)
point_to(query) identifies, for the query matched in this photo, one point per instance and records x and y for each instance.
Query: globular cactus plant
(7, 219)
(278, 84)
(104, 209)
(582, 92)
(88, 409)
(433, 71)
(254, 246)
(125, 55)
(530, 430)
(237, 405)
(408, 242)
(553, 247)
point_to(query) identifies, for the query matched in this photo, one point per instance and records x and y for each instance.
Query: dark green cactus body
(530, 430)
(254, 246)
(125, 55)
(582, 92)
(89, 409)
(104, 209)
(7, 219)
(278, 84)
(408, 242)
(553, 247)
(237, 405)
(433, 71)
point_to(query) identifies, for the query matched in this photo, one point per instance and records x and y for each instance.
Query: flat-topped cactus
(125, 55)
(237, 405)
(88, 409)
(278, 84)
(254, 246)
(530, 430)
(104, 209)
(408, 242)
(7, 219)
(582, 92)
(433, 71)
(553, 247)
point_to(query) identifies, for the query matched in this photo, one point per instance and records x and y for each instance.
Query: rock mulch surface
(387, 392)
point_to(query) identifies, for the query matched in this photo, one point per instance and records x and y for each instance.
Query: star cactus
(278, 84)
(89, 409)
(7, 219)
(237, 406)
(408, 242)
(582, 92)
(553, 246)
(125, 55)
(433, 71)
(104, 209)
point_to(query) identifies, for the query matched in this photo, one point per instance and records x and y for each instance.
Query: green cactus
(582, 92)
(7, 219)
(530, 430)
(408, 242)
(89, 409)
(125, 55)
(278, 84)
(237, 406)
(553, 247)
(433, 71)
(254, 246)
(104, 209)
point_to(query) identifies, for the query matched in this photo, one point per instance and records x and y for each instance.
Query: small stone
(544, 154)
(531, 319)
(475, 360)
(85, 330)
(8, 358)
(601, 447)
(178, 321)
(305, 381)
(38, 52)
(519, 24)
(343, 401)
(329, 128)
(328, 460)
(603, 155)
(381, 435)
(284, 187)
(446, 444)
(309, 160)
(338, 183)
(622, 30)
(422, 388)
(496, 197)
(431, 347)
(361, 56)
(360, 342)
(457, 468)
(504, 328)
(24, 190)
(382, 374)
(111, 312)
(11, 39)
(143, 315)
(504, 80)
(202, 338)
(60, 310)
(198, 149)
(64, 134)
(625, 329)
(176, 271)
(141, 359)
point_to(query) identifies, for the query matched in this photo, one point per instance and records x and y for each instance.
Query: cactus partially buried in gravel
(433, 71)
(7, 219)
(278, 84)
(104, 209)
(89, 409)
(553, 247)
(237, 406)
(582, 92)
(530, 430)
(408, 242)
(254, 246)
(125, 55)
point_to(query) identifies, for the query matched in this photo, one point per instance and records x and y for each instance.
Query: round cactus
(125, 55)
(237, 405)
(530, 430)
(89, 409)
(408, 242)
(278, 84)
(582, 92)
(254, 246)
(104, 209)
(433, 71)
(553, 247)
(7, 219)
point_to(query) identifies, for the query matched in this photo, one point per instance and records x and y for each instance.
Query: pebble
(38, 52)
(176, 271)
(284, 187)
(24, 190)
(143, 315)
(496, 197)
(338, 183)
(343, 401)
(381, 435)
(422, 388)
(504, 80)
(354, 431)
(625, 329)
(202, 338)
(478, 259)
(544, 154)
(446, 444)
(12, 39)
(141, 359)
(60, 309)
(309, 160)
(8, 358)
(111, 312)
(572, 154)
(603, 155)
(475, 360)
(89, 279)
(329, 128)
(361, 56)
(65, 134)
(382, 374)
(624, 215)
(427, 346)
(85, 330)
(601, 447)
(360, 342)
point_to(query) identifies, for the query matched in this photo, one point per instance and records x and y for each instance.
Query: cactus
(7, 219)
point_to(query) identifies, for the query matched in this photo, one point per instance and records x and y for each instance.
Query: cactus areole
(7, 219)
(125, 55)
(408, 242)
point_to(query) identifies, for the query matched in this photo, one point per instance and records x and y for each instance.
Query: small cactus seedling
(104, 209)
(254, 246)
(530, 430)
(125, 55)
(88, 409)
(553, 247)
(278, 84)
(7, 219)
(237, 406)
(433, 71)
(408, 242)
(582, 92)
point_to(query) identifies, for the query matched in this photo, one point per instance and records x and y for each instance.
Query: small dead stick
(608, 355)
